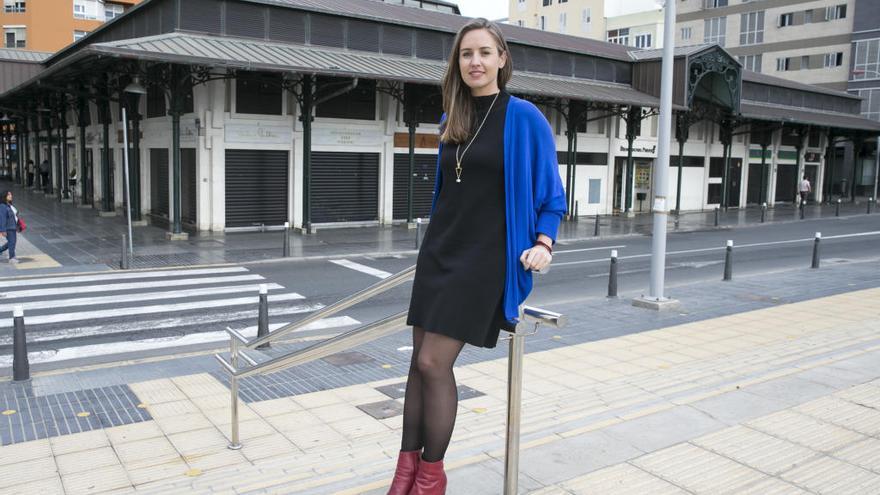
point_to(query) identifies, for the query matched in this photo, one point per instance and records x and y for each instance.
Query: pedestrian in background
(44, 175)
(805, 189)
(498, 201)
(30, 173)
(9, 225)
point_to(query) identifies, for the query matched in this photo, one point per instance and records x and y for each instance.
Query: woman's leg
(435, 361)
(13, 238)
(412, 403)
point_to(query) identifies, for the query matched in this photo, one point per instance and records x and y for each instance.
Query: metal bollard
(418, 233)
(21, 370)
(576, 210)
(837, 208)
(728, 262)
(816, 250)
(612, 275)
(596, 227)
(124, 262)
(286, 243)
(803, 207)
(716, 216)
(763, 212)
(870, 203)
(263, 315)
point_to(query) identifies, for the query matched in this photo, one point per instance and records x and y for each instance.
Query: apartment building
(49, 25)
(585, 18)
(805, 41)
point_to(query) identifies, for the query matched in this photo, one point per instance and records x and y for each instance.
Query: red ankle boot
(430, 480)
(405, 474)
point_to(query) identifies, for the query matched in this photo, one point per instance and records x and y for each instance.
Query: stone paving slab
(646, 427)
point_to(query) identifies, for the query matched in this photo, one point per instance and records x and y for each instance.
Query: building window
(714, 4)
(16, 37)
(867, 60)
(835, 12)
(619, 36)
(563, 21)
(686, 33)
(548, 2)
(88, 9)
(258, 93)
(786, 19)
(751, 62)
(715, 30)
(643, 41)
(870, 103)
(833, 60)
(112, 11)
(563, 1)
(543, 24)
(521, 5)
(782, 64)
(14, 6)
(751, 29)
(359, 103)
(78, 35)
(586, 20)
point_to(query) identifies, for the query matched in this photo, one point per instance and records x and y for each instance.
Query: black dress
(459, 282)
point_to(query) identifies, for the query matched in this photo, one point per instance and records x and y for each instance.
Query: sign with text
(258, 133)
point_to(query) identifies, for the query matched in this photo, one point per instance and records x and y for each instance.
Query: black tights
(431, 400)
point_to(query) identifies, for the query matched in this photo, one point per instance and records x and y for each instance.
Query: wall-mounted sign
(258, 133)
(641, 149)
(347, 136)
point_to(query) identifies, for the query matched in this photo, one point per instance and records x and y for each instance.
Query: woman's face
(479, 61)
(9, 198)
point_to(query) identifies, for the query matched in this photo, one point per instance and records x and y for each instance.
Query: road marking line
(56, 291)
(162, 342)
(361, 268)
(145, 310)
(202, 320)
(142, 296)
(588, 249)
(121, 276)
(720, 248)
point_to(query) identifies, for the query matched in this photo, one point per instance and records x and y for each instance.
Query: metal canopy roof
(795, 115)
(259, 55)
(17, 55)
(678, 51)
(758, 78)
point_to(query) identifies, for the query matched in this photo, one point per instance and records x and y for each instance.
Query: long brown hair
(458, 103)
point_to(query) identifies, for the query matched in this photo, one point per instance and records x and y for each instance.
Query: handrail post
(234, 443)
(514, 407)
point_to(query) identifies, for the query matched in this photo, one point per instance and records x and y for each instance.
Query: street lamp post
(656, 298)
(136, 89)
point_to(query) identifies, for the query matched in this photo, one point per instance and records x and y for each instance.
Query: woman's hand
(538, 257)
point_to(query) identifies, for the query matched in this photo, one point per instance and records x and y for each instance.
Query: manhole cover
(383, 409)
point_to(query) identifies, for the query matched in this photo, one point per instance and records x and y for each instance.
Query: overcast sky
(497, 9)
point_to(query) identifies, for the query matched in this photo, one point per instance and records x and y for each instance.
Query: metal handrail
(528, 315)
(371, 291)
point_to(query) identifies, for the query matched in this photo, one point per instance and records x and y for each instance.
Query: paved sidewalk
(758, 386)
(67, 238)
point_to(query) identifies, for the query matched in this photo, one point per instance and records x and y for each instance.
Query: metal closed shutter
(159, 182)
(424, 173)
(345, 187)
(188, 185)
(256, 187)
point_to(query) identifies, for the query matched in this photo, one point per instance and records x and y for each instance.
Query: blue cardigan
(534, 197)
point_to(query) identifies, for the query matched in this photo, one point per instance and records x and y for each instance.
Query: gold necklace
(458, 159)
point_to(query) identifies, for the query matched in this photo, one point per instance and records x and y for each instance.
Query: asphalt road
(70, 320)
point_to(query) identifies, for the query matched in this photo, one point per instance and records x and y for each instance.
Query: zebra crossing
(102, 314)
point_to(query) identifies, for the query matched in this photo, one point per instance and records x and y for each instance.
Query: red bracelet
(544, 245)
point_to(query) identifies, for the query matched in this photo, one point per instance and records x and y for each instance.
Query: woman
(8, 225)
(494, 218)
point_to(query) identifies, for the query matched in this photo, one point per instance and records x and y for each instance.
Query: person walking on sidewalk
(30, 173)
(498, 202)
(44, 175)
(8, 225)
(805, 189)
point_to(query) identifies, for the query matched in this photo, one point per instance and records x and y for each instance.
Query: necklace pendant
(457, 180)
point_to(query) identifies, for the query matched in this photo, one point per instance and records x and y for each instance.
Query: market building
(216, 92)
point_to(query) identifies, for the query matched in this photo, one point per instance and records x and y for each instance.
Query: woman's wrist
(544, 245)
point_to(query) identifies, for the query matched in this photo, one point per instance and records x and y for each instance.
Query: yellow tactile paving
(622, 479)
(831, 476)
